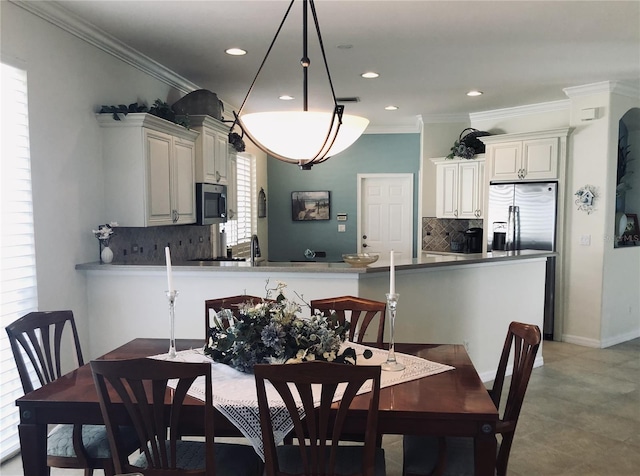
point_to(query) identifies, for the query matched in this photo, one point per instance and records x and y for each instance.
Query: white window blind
(239, 231)
(17, 249)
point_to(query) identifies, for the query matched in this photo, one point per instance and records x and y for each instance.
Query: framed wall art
(310, 206)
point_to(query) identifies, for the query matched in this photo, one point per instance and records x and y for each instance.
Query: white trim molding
(70, 22)
(519, 111)
(623, 88)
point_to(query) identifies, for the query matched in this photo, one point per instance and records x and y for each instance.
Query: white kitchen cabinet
(212, 159)
(534, 156)
(459, 188)
(149, 171)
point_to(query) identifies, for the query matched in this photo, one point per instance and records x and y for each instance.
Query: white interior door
(385, 214)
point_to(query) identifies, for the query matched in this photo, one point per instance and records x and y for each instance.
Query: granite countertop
(427, 259)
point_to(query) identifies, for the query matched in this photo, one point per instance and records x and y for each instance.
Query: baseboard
(601, 344)
(489, 376)
(583, 341)
(620, 338)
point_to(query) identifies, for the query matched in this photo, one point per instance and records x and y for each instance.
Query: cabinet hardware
(364, 245)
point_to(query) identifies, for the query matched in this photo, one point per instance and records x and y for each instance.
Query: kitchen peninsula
(469, 299)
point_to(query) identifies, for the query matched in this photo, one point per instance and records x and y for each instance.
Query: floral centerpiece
(272, 332)
(104, 232)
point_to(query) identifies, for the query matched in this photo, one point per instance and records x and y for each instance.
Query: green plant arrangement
(623, 175)
(160, 109)
(272, 332)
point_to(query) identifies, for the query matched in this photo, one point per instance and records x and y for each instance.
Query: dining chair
(232, 303)
(425, 455)
(36, 341)
(155, 409)
(359, 311)
(319, 433)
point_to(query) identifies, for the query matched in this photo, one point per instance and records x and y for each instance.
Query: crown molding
(627, 89)
(71, 23)
(394, 129)
(444, 118)
(623, 88)
(552, 106)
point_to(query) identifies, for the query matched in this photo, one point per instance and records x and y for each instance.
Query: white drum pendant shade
(300, 135)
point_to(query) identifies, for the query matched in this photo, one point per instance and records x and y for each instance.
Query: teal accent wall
(371, 153)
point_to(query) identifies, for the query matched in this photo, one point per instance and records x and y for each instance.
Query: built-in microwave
(211, 203)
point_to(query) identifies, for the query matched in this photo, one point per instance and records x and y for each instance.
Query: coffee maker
(473, 240)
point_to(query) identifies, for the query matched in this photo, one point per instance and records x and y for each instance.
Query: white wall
(437, 140)
(68, 80)
(621, 274)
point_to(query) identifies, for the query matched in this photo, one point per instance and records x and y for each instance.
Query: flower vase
(106, 255)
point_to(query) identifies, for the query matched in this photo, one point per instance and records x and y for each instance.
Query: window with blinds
(239, 231)
(17, 247)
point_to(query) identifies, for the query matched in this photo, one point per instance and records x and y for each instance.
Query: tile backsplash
(146, 245)
(438, 233)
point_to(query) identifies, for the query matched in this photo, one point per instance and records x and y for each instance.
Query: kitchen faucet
(255, 249)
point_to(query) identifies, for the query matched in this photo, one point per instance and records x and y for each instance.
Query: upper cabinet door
(469, 184)
(159, 190)
(184, 188)
(212, 158)
(540, 159)
(506, 161)
(447, 190)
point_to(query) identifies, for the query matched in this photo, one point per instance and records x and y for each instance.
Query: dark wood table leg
(33, 448)
(485, 450)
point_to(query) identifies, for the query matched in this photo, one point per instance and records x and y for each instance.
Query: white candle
(392, 275)
(167, 254)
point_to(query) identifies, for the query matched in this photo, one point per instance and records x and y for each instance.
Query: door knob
(364, 237)
(364, 245)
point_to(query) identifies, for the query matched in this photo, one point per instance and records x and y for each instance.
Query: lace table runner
(234, 392)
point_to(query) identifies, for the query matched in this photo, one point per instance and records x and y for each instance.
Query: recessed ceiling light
(391, 108)
(369, 75)
(286, 97)
(475, 92)
(236, 51)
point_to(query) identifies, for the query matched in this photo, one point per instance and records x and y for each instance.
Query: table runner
(235, 396)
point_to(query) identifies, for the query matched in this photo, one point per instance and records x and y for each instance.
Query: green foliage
(623, 175)
(160, 109)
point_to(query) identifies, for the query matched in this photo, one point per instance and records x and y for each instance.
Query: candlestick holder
(392, 364)
(171, 296)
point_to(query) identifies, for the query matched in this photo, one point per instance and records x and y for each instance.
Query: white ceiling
(428, 53)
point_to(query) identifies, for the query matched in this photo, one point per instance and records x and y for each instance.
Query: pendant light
(302, 137)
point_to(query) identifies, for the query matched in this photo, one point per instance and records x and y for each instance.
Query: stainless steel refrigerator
(533, 228)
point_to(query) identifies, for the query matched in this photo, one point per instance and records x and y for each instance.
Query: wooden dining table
(452, 403)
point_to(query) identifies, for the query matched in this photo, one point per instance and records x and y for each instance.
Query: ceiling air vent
(351, 99)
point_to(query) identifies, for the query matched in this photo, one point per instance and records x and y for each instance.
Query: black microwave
(211, 203)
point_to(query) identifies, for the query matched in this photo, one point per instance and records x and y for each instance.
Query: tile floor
(581, 417)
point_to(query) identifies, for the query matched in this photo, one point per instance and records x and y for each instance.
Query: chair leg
(442, 457)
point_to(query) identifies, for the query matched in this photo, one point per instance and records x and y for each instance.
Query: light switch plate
(342, 228)
(585, 240)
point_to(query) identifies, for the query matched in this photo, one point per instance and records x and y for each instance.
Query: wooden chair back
(38, 335)
(360, 312)
(319, 432)
(154, 410)
(233, 303)
(524, 339)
